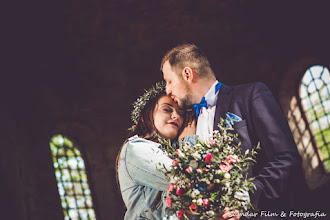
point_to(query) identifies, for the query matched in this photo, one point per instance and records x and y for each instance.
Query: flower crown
(141, 102)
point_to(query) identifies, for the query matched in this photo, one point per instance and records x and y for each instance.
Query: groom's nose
(168, 90)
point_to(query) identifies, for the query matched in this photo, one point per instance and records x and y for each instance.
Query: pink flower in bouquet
(209, 187)
(224, 166)
(193, 208)
(169, 202)
(199, 170)
(188, 185)
(175, 161)
(208, 158)
(170, 188)
(205, 170)
(206, 202)
(189, 169)
(179, 192)
(181, 214)
(232, 159)
(212, 142)
(179, 152)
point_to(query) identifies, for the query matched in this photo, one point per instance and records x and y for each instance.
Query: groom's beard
(186, 103)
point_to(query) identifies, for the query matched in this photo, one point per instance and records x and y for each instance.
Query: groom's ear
(188, 74)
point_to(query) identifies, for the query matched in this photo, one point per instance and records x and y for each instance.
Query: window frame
(77, 145)
(306, 120)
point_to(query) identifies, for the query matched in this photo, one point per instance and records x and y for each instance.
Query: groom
(254, 114)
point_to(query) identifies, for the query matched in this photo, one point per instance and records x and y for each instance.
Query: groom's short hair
(188, 55)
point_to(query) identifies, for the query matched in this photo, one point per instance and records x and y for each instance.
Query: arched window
(72, 179)
(315, 100)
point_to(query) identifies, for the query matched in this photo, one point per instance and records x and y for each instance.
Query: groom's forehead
(167, 67)
(169, 74)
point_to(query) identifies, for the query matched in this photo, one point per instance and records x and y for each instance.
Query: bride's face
(168, 118)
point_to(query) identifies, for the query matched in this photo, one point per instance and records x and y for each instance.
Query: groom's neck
(202, 86)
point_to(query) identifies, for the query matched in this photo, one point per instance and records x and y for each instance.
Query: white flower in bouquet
(209, 176)
(193, 164)
(227, 175)
(218, 171)
(174, 179)
(195, 193)
(210, 213)
(200, 201)
(197, 155)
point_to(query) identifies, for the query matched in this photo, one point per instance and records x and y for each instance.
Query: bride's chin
(171, 135)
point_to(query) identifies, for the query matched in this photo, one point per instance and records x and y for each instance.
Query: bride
(142, 185)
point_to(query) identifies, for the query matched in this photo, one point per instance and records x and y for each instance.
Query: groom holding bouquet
(254, 114)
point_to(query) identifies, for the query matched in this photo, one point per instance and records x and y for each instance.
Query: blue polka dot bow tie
(199, 106)
(203, 103)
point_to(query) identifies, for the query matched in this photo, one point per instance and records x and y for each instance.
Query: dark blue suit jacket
(264, 122)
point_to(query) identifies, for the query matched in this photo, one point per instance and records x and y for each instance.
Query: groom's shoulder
(250, 88)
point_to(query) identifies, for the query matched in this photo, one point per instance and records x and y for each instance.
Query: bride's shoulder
(136, 138)
(139, 147)
(138, 141)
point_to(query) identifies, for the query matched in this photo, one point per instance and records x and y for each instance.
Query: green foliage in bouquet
(209, 175)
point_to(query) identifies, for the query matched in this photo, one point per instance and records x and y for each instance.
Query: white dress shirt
(205, 123)
(205, 119)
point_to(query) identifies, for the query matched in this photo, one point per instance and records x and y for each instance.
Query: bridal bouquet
(209, 175)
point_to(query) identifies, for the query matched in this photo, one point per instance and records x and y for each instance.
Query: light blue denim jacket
(143, 186)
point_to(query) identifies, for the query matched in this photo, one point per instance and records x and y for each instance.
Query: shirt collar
(212, 96)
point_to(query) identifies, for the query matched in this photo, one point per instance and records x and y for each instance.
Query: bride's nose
(175, 115)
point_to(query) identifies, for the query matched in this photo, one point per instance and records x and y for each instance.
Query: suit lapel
(223, 104)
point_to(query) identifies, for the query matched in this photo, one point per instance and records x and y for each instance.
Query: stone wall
(81, 72)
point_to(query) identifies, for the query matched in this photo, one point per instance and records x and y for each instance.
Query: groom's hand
(189, 127)
(229, 215)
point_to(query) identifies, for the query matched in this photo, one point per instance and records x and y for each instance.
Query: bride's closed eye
(170, 110)
(167, 110)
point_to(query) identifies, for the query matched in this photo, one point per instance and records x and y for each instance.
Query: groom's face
(177, 87)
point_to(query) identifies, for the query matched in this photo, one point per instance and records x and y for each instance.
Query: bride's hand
(189, 127)
(229, 215)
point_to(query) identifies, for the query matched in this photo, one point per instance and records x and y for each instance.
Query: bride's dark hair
(145, 127)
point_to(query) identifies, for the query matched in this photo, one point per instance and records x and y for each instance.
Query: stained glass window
(315, 100)
(72, 179)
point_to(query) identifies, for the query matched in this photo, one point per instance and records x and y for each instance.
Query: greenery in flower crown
(141, 102)
(209, 175)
